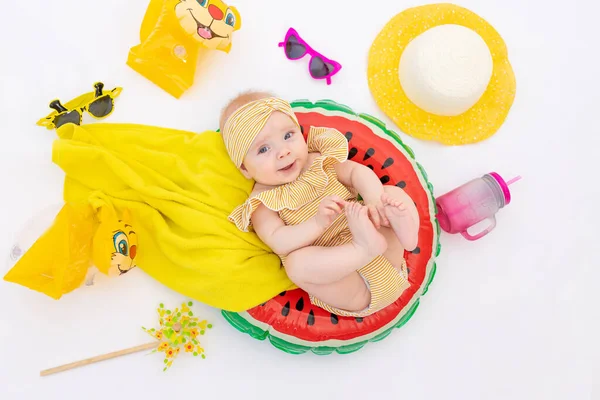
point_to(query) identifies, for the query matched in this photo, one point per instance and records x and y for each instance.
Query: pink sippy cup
(473, 202)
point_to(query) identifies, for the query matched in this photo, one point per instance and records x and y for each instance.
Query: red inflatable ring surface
(289, 320)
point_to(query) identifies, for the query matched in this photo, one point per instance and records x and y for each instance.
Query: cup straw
(513, 180)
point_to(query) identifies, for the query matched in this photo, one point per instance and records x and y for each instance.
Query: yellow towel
(179, 187)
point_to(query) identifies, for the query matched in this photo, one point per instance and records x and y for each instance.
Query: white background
(513, 316)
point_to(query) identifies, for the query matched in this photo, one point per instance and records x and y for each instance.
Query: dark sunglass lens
(101, 107)
(294, 49)
(70, 117)
(319, 68)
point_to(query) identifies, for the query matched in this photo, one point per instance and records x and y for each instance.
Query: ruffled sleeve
(329, 142)
(332, 146)
(241, 214)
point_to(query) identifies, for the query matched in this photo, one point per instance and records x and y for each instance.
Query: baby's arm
(284, 239)
(281, 238)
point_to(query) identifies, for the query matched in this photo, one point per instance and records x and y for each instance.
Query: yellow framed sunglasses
(98, 104)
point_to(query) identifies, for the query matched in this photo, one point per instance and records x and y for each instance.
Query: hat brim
(476, 124)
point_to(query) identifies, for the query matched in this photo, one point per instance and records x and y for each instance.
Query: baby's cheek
(267, 166)
(259, 169)
(251, 165)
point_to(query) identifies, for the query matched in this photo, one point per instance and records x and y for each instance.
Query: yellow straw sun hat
(441, 72)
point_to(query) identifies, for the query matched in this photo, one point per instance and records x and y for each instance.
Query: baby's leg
(349, 293)
(395, 251)
(403, 216)
(323, 265)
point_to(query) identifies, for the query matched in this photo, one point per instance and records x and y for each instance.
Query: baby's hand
(329, 208)
(377, 214)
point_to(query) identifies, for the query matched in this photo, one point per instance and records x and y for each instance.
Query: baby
(347, 255)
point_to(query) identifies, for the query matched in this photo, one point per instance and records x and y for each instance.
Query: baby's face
(278, 154)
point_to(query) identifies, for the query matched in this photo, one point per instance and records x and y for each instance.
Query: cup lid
(503, 186)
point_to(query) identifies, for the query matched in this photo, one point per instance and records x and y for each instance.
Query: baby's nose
(283, 153)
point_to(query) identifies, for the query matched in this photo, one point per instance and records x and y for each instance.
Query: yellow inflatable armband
(78, 243)
(171, 35)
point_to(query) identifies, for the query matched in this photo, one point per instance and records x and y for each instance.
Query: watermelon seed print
(387, 163)
(300, 304)
(282, 293)
(286, 309)
(401, 184)
(359, 319)
(352, 153)
(368, 154)
(311, 318)
(334, 319)
(417, 250)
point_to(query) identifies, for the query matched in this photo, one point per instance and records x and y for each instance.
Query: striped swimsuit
(299, 201)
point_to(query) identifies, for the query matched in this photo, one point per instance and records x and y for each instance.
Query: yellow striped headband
(246, 122)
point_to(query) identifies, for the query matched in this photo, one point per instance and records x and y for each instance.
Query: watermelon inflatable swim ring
(289, 320)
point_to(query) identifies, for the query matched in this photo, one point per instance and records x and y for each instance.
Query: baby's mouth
(287, 168)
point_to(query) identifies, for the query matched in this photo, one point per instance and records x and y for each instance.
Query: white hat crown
(446, 69)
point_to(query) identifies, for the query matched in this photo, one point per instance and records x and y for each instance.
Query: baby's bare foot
(403, 224)
(387, 200)
(364, 234)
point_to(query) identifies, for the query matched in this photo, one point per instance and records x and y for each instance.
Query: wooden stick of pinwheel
(99, 358)
(178, 329)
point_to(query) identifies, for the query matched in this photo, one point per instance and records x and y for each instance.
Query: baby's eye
(263, 150)
(288, 135)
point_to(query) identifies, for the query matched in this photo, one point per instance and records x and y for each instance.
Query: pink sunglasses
(320, 67)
